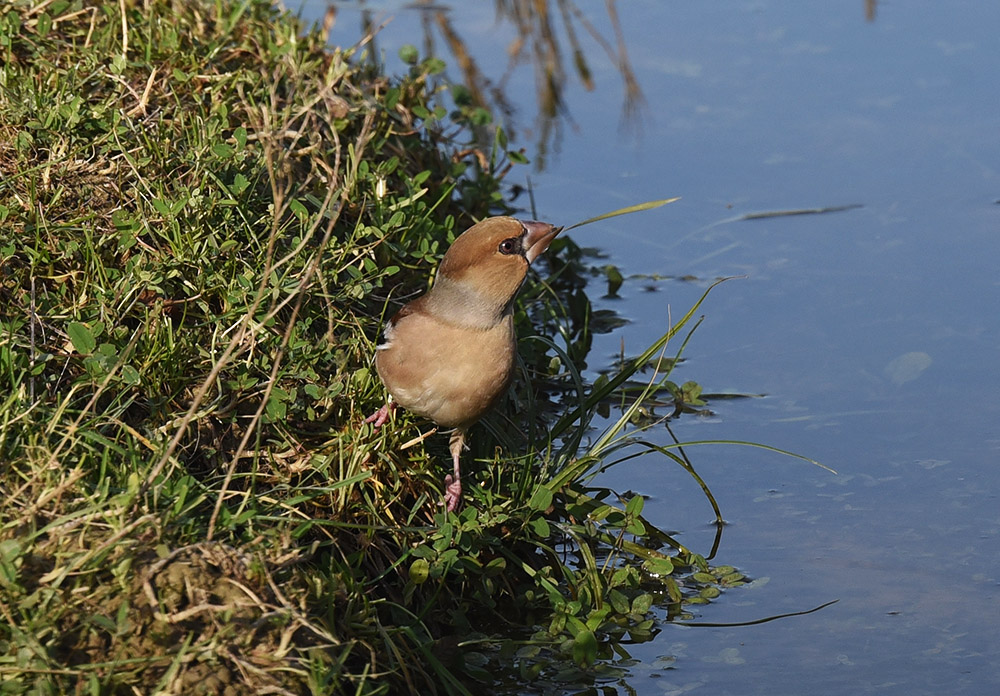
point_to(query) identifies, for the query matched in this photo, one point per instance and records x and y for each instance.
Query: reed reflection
(558, 41)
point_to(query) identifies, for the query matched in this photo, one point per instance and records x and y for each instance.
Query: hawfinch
(449, 355)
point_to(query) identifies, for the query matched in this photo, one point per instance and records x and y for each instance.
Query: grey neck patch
(460, 305)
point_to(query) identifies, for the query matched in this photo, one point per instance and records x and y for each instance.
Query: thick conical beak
(540, 234)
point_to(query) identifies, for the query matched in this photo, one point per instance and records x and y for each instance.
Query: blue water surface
(874, 332)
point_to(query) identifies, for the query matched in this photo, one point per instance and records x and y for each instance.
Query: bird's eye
(510, 246)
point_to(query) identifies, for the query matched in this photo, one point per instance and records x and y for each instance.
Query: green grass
(205, 212)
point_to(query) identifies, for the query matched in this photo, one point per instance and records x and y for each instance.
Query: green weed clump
(205, 212)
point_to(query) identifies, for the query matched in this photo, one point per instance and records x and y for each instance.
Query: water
(873, 332)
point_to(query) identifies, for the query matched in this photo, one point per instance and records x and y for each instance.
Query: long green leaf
(748, 443)
(595, 397)
(589, 561)
(715, 624)
(637, 208)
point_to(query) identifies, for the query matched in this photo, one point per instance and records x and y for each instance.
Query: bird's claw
(452, 492)
(380, 416)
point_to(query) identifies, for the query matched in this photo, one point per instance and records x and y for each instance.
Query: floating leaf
(658, 566)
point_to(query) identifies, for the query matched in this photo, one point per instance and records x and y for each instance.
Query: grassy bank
(205, 213)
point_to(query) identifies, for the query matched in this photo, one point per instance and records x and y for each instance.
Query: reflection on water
(556, 40)
(872, 330)
(871, 7)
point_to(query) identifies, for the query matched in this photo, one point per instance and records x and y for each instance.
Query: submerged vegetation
(205, 212)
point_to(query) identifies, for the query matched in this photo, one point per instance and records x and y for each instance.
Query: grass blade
(714, 624)
(637, 208)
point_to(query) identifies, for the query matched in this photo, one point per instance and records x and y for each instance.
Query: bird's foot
(452, 492)
(381, 415)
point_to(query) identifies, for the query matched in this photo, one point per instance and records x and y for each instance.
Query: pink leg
(381, 415)
(453, 482)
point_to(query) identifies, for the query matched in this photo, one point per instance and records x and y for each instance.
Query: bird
(449, 354)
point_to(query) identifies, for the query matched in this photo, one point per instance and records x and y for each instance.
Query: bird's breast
(449, 374)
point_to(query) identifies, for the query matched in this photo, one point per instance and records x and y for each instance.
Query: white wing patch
(386, 340)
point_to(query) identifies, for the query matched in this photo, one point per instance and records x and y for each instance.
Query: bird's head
(485, 266)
